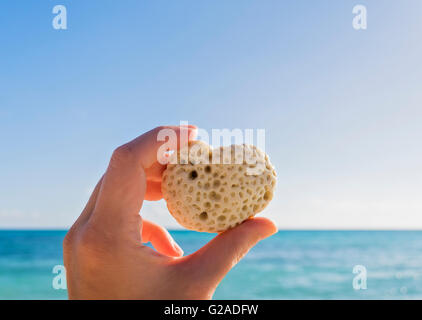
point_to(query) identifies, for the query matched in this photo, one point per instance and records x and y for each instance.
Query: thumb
(212, 262)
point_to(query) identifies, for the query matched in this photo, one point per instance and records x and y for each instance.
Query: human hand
(103, 251)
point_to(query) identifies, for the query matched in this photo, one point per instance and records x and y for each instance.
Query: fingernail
(274, 228)
(178, 249)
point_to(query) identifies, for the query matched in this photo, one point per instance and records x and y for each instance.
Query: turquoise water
(289, 265)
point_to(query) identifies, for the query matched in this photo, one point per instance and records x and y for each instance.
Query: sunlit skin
(104, 252)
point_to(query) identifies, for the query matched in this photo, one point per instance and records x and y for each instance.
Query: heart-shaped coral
(213, 190)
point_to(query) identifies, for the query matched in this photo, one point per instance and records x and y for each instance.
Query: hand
(103, 251)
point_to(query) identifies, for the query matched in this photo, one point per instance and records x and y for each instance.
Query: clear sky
(342, 108)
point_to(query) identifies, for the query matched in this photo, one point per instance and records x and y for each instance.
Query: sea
(288, 265)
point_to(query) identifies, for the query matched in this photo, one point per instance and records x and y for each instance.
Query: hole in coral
(193, 175)
(208, 169)
(203, 216)
(221, 218)
(268, 196)
(214, 196)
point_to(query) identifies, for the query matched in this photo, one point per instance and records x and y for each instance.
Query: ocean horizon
(292, 264)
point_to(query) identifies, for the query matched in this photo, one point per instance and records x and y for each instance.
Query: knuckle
(67, 242)
(87, 240)
(123, 153)
(159, 128)
(93, 243)
(69, 239)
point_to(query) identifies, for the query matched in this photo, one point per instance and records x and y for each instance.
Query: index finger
(124, 183)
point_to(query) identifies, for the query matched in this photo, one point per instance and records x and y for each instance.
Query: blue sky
(341, 108)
